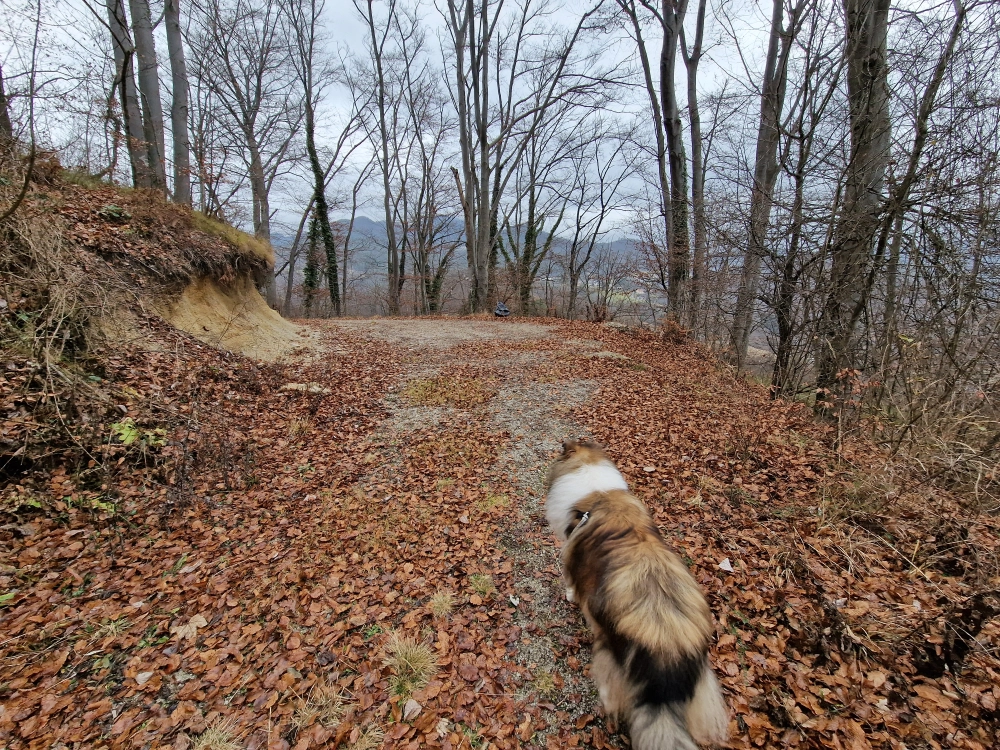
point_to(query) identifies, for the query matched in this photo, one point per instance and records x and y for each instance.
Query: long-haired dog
(650, 620)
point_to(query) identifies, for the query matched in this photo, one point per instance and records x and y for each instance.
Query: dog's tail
(678, 726)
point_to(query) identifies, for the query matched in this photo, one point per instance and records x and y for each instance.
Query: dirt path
(533, 412)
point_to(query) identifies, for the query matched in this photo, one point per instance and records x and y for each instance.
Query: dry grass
(370, 739)
(870, 494)
(297, 427)
(545, 683)
(412, 662)
(112, 628)
(482, 584)
(240, 240)
(492, 502)
(324, 704)
(442, 603)
(60, 303)
(221, 734)
(447, 391)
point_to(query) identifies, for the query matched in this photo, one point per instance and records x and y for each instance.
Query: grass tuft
(412, 662)
(240, 240)
(492, 502)
(324, 704)
(221, 734)
(370, 739)
(545, 683)
(869, 495)
(297, 427)
(83, 178)
(482, 584)
(112, 628)
(442, 603)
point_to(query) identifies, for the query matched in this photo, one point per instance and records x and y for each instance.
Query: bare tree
(245, 59)
(6, 127)
(537, 199)
(765, 173)
(304, 17)
(692, 60)
(602, 163)
(179, 104)
(149, 91)
(497, 118)
(670, 153)
(380, 37)
(429, 218)
(609, 270)
(796, 272)
(124, 54)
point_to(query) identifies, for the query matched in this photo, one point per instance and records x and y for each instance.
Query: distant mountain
(365, 227)
(374, 231)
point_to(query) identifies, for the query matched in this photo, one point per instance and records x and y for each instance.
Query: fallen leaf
(411, 709)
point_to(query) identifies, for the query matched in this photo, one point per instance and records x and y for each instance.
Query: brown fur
(650, 620)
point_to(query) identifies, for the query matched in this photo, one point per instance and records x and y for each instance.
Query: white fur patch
(569, 489)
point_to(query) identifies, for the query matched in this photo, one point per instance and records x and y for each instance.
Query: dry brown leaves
(279, 542)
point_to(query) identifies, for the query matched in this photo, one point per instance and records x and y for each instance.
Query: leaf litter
(300, 568)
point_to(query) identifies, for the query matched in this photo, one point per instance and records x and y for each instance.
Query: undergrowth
(72, 311)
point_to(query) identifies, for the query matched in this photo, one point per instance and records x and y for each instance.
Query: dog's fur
(650, 620)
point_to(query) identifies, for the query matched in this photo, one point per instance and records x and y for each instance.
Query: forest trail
(299, 524)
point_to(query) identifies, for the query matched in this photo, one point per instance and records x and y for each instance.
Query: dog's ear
(588, 443)
(569, 447)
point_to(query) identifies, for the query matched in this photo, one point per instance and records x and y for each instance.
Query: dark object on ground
(501, 310)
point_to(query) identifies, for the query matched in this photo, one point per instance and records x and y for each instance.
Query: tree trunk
(6, 128)
(149, 89)
(679, 245)
(697, 168)
(892, 223)
(851, 254)
(179, 103)
(486, 222)
(293, 257)
(124, 54)
(310, 278)
(654, 104)
(781, 374)
(320, 209)
(261, 212)
(393, 258)
(347, 237)
(529, 249)
(772, 98)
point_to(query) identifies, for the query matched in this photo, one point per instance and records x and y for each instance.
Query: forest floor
(349, 550)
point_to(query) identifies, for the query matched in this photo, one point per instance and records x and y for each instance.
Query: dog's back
(651, 623)
(651, 626)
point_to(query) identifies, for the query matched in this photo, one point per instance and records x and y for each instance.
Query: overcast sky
(75, 37)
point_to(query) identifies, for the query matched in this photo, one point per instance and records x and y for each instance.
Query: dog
(650, 620)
